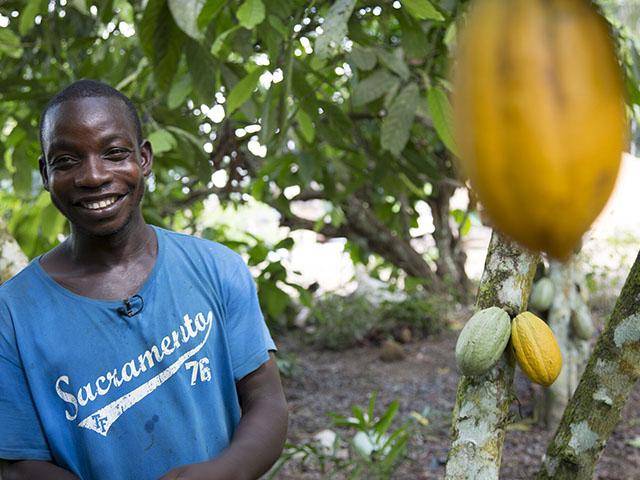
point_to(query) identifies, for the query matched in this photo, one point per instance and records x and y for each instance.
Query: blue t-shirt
(108, 396)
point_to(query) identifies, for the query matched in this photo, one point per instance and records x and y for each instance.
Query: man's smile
(105, 204)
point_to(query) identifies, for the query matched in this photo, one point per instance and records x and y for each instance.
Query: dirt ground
(426, 377)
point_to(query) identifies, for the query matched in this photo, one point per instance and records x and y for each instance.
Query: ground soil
(426, 378)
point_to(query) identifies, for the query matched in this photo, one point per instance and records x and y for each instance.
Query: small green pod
(581, 323)
(482, 341)
(542, 295)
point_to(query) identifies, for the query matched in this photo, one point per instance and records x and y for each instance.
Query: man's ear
(146, 157)
(43, 172)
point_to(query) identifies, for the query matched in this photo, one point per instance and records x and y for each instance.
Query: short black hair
(91, 88)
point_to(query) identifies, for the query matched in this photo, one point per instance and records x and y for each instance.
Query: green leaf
(334, 28)
(280, 27)
(242, 91)
(394, 62)
(372, 404)
(161, 41)
(10, 43)
(422, 10)
(209, 11)
(28, 15)
(396, 126)
(363, 58)
(413, 37)
(390, 95)
(269, 116)
(306, 125)
(81, 6)
(162, 141)
(23, 167)
(442, 117)
(251, 13)
(274, 300)
(359, 414)
(186, 14)
(106, 10)
(202, 67)
(384, 423)
(463, 219)
(373, 87)
(179, 92)
(220, 40)
(125, 10)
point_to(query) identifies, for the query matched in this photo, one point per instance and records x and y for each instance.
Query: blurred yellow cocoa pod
(536, 349)
(539, 116)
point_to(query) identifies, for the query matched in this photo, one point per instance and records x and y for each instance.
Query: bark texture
(482, 403)
(595, 408)
(451, 257)
(567, 302)
(12, 259)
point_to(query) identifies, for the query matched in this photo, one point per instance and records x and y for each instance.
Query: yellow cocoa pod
(536, 349)
(539, 116)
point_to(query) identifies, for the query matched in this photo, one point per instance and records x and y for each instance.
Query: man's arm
(33, 470)
(259, 438)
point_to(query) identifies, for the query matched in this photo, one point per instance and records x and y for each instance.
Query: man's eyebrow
(114, 136)
(60, 145)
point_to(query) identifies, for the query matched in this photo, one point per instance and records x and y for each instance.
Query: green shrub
(365, 446)
(338, 322)
(423, 316)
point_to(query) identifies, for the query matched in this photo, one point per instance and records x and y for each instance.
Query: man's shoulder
(15, 285)
(205, 248)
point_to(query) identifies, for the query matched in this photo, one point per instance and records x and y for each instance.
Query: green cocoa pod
(581, 323)
(542, 295)
(482, 341)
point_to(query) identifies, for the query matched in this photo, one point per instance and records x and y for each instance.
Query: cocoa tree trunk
(451, 257)
(575, 352)
(595, 408)
(482, 403)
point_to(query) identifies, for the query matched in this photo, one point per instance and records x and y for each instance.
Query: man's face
(92, 165)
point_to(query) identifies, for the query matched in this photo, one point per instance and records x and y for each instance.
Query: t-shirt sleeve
(248, 336)
(21, 435)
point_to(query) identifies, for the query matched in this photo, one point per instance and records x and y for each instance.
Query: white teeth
(101, 204)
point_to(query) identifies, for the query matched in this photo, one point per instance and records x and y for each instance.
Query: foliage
(373, 447)
(285, 101)
(423, 316)
(340, 322)
(288, 364)
(322, 96)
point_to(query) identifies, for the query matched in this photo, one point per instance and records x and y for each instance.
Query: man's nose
(93, 173)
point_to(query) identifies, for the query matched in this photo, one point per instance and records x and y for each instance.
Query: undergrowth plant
(341, 322)
(364, 447)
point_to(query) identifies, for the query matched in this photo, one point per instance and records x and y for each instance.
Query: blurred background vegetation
(327, 119)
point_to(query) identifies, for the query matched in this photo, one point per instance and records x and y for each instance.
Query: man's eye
(62, 161)
(117, 153)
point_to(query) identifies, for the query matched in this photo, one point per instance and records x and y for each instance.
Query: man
(174, 381)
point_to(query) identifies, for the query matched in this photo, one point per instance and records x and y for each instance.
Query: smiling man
(129, 351)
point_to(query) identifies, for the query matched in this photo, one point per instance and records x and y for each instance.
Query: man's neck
(131, 243)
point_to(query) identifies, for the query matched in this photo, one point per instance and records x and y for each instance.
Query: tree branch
(482, 402)
(595, 409)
